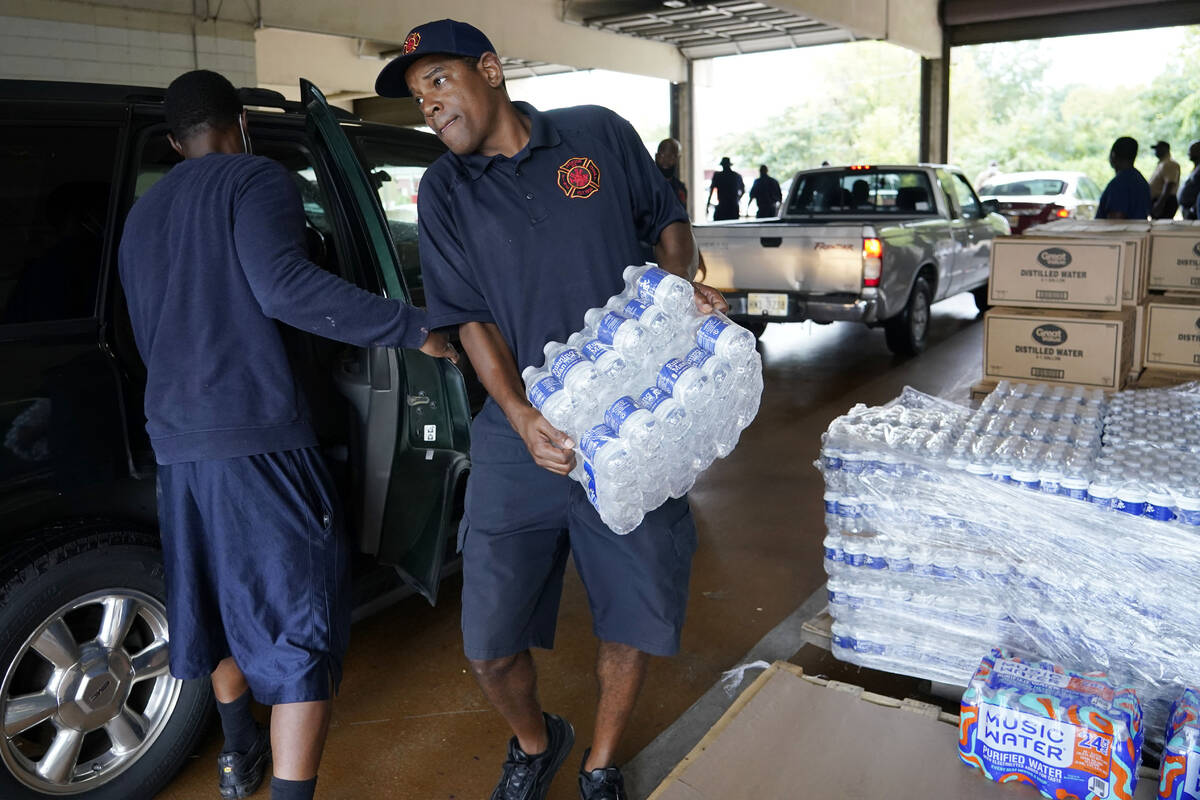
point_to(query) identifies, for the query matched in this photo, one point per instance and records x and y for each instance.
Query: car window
(968, 203)
(1042, 186)
(158, 157)
(1093, 191)
(53, 207)
(396, 169)
(863, 191)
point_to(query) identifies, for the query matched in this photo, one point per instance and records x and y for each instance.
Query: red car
(1031, 198)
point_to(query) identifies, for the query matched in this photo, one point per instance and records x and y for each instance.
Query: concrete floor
(411, 723)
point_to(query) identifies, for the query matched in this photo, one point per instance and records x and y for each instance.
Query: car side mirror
(991, 207)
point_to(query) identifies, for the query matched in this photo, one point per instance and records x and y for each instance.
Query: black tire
(907, 332)
(755, 326)
(85, 567)
(980, 293)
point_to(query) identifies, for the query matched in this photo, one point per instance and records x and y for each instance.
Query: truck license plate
(766, 305)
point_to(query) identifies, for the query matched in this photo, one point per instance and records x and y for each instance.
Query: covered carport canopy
(341, 45)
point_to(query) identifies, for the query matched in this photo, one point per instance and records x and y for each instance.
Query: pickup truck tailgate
(818, 258)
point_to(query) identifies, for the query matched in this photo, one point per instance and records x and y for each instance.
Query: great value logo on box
(1173, 336)
(1181, 753)
(1175, 261)
(1057, 273)
(1068, 734)
(1091, 350)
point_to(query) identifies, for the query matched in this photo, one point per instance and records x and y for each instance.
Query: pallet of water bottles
(1054, 521)
(651, 390)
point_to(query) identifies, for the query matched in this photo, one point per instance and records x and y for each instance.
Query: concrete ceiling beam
(532, 30)
(913, 24)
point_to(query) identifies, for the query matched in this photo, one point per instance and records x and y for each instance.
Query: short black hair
(198, 100)
(1125, 148)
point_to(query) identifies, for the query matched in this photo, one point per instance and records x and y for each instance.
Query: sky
(739, 93)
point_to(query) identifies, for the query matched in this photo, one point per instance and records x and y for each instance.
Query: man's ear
(175, 145)
(492, 69)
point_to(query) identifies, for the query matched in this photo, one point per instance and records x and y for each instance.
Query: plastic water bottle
(621, 517)
(653, 284)
(687, 384)
(622, 333)
(1159, 504)
(636, 425)
(1188, 509)
(607, 361)
(609, 456)
(1131, 499)
(653, 318)
(547, 394)
(719, 335)
(1101, 491)
(674, 421)
(719, 371)
(575, 371)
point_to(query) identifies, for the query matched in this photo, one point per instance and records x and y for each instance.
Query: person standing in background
(765, 193)
(1190, 190)
(1127, 195)
(667, 160)
(993, 169)
(729, 188)
(1164, 183)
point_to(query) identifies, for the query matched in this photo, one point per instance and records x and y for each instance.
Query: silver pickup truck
(872, 244)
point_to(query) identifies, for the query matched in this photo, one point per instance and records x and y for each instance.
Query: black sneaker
(605, 783)
(528, 777)
(242, 773)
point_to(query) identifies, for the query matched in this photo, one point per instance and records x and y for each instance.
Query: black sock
(293, 790)
(237, 724)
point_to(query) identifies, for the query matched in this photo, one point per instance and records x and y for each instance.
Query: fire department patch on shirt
(579, 177)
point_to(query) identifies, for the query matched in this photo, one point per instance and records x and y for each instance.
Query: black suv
(87, 703)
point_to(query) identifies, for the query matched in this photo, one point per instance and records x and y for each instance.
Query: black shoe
(605, 783)
(528, 777)
(242, 773)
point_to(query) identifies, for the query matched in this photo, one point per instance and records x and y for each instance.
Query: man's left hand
(709, 299)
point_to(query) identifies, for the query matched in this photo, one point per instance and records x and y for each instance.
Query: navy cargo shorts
(520, 525)
(257, 567)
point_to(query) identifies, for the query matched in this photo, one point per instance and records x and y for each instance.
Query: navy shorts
(257, 568)
(521, 523)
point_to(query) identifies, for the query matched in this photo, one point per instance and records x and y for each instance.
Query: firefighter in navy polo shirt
(526, 223)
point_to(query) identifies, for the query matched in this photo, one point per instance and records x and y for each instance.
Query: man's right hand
(550, 448)
(438, 346)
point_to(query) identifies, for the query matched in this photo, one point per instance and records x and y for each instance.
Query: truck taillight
(872, 255)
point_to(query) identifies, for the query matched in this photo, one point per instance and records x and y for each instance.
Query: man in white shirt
(1164, 182)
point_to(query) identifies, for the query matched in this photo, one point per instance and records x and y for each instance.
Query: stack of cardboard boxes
(1095, 303)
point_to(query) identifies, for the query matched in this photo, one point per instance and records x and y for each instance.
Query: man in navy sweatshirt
(256, 561)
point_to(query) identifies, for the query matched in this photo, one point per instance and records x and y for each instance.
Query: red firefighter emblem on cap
(411, 42)
(579, 177)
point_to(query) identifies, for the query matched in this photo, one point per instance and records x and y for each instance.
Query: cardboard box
(1087, 348)
(1173, 335)
(1136, 256)
(1175, 260)
(1038, 272)
(791, 735)
(1139, 340)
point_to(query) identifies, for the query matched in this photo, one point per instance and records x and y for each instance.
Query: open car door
(412, 420)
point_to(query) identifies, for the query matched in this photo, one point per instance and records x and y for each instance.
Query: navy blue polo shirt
(532, 242)
(1129, 193)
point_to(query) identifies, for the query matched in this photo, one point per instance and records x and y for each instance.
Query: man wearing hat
(525, 224)
(1190, 190)
(1164, 183)
(729, 188)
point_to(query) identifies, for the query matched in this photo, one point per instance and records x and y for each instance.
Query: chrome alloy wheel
(87, 693)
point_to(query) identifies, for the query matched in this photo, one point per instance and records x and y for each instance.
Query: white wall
(101, 45)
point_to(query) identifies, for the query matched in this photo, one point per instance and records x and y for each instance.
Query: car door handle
(771, 241)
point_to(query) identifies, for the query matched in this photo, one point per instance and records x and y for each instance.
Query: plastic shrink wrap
(652, 392)
(1053, 522)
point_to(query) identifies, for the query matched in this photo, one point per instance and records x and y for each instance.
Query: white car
(1031, 198)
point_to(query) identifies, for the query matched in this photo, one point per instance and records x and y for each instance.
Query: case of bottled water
(651, 390)
(1055, 522)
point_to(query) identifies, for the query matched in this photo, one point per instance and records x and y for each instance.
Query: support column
(686, 134)
(935, 107)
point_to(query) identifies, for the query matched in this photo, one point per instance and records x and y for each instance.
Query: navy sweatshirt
(211, 256)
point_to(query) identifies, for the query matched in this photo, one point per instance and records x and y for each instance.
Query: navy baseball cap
(441, 36)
